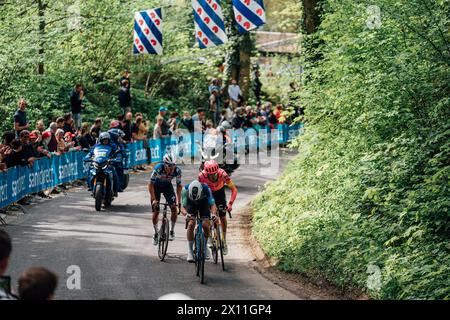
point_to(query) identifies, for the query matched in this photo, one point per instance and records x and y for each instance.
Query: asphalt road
(114, 249)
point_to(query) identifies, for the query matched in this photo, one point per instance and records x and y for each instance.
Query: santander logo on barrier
(3, 192)
(18, 186)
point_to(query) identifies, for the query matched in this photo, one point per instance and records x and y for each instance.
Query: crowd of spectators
(27, 142)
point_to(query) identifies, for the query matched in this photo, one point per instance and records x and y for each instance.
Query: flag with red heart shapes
(148, 32)
(249, 14)
(209, 25)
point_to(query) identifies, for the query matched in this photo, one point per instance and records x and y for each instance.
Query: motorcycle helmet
(103, 136)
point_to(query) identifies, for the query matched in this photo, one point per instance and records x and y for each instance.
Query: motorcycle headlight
(96, 165)
(104, 167)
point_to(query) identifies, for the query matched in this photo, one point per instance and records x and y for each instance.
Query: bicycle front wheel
(163, 242)
(202, 259)
(215, 247)
(220, 245)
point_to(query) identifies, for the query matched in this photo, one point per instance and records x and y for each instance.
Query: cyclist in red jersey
(216, 179)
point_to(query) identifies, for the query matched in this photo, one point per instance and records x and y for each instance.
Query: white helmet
(226, 125)
(195, 190)
(168, 159)
(104, 136)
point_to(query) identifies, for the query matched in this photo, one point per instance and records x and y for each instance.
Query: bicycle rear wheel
(163, 242)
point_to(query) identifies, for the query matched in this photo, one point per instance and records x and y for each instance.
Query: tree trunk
(312, 10)
(41, 15)
(311, 15)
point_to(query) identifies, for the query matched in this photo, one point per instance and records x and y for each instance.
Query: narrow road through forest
(114, 249)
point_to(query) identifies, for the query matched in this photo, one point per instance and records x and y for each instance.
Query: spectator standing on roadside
(85, 140)
(62, 145)
(52, 144)
(20, 118)
(38, 145)
(126, 127)
(68, 123)
(60, 122)
(139, 132)
(76, 103)
(71, 143)
(234, 92)
(135, 127)
(257, 85)
(157, 131)
(250, 117)
(199, 120)
(279, 113)
(15, 157)
(37, 283)
(40, 126)
(6, 147)
(238, 120)
(165, 128)
(96, 128)
(173, 122)
(125, 96)
(126, 76)
(213, 106)
(5, 253)
(121, 119)
(187, 121)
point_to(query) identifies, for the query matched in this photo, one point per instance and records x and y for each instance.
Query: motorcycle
(102, 180)
(214, 149)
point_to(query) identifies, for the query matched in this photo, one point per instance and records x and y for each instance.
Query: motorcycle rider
(106, 146)
(122, 157)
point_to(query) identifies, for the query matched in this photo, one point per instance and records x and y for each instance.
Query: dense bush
(370, 186)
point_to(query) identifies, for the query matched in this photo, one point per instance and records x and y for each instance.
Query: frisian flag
(249, 14)
(209, 25)
(148, 32)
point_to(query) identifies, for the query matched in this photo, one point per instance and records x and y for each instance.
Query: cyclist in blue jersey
(161, 183)
(197, 198)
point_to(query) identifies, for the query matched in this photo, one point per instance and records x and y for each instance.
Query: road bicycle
(199, 247)
(217, 240)
(163, 235)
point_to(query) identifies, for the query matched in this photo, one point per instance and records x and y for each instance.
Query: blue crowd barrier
(47, 173)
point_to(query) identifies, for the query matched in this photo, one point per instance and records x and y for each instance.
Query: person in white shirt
(234, 91)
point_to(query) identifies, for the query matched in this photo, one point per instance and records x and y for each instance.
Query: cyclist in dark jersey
(161, 183)
(197, 198)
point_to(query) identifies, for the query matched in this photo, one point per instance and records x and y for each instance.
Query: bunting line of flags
(208, 20)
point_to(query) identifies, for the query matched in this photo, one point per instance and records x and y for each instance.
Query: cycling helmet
(195, 190)
(226, 125)
(104, 136)
(211, 167)
(168, 159)
(114, 124)
(221, 129)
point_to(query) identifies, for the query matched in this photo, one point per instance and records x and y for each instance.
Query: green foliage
(95, 54)
(371, 183)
